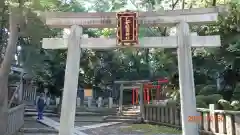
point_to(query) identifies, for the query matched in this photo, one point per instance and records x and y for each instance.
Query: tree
(101, 68)
(14, 29)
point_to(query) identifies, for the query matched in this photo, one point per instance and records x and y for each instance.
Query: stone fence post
(78, 101)
(99, 101)
(110, 102)
(57, 101)
(89, 102)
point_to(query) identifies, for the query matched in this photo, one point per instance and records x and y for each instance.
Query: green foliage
(171, 102)
(235, 104)
(203, 101)
(101, 68)
(200, 103)
(236, 93)
(175, 96)
(225, 104)
(149, 129)
(207, 90)
(228, 105)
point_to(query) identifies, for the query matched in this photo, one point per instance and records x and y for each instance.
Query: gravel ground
(116, 130)
(110, 130)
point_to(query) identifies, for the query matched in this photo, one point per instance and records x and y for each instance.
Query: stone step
(121, 120)
(131, 111)
(120, 117)
(95, 109)
(31, 124)
(34, 110)
(38, 130)
(28, 114)
(38, 134)
(127, 119)
(89, 114)
(129, 114)
(32, 107)
(102, 111)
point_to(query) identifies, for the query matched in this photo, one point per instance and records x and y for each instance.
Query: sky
(129, 5)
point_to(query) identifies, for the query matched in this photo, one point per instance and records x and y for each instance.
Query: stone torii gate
(182, 41)
(134, 84)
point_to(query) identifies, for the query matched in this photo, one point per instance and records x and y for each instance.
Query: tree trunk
(5, 68)
(214, 2)
(3, 104)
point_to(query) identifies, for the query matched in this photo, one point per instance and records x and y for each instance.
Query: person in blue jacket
(41, 102)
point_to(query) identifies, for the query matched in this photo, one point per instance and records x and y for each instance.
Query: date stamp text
(205, 118)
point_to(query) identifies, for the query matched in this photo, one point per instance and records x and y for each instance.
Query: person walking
(41, 102)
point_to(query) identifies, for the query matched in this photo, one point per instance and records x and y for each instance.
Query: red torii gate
(146, 89)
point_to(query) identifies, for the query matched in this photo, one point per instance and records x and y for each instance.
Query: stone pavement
(78, 130)
(30, 122)
(97, 128)
(85, 124)
(83, 120)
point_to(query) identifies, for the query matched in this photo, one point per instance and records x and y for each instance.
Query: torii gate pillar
(186, 80)
(68, 110)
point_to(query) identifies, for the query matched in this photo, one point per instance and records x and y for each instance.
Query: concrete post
(20, 92)
(121, 99)
(186, 81)
(78, 101)
(212, 118)
(141, 101)
(99, 101)
(110, 102)
(57, 101)
(89, 102)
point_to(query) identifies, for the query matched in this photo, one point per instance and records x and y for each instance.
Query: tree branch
(183, 4)
(214, 2)
(164, 33)
(174, 4)
(14, 22)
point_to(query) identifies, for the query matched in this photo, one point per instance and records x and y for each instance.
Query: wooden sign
(127, 28)
(88, 92)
